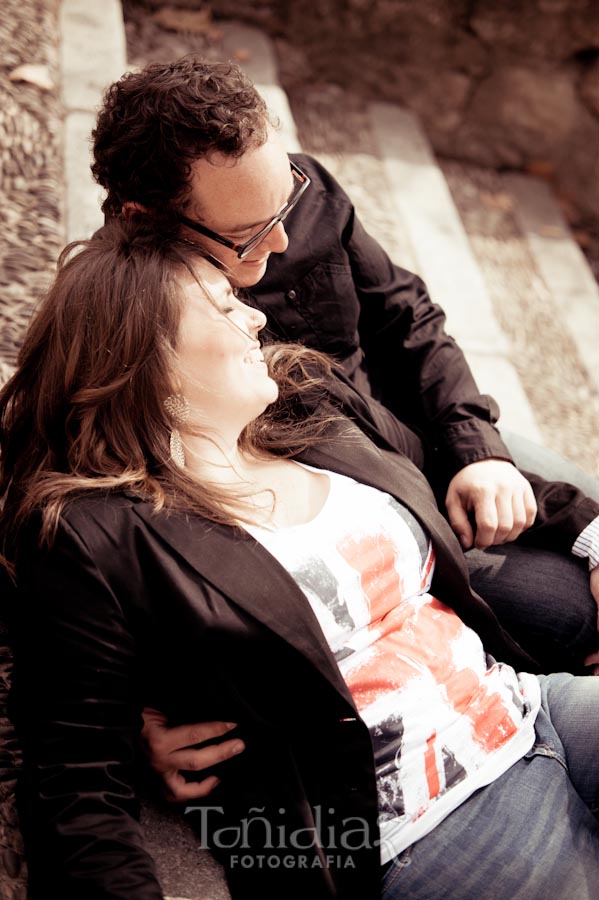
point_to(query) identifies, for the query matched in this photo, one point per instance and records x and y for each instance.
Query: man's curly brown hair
(155, 123)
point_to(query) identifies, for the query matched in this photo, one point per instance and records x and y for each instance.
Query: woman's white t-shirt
(444, 718)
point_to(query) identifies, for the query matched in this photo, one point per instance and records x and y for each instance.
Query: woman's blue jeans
(531, 834)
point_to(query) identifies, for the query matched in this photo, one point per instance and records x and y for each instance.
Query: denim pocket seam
(395, 867)
(546, 750)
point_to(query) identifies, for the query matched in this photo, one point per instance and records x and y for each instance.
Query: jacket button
(291, 295)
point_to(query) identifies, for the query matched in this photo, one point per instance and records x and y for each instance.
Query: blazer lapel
(245, 572)
(242, 569)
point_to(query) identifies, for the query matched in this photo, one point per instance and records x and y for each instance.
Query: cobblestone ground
(30, 165)
(30, 237)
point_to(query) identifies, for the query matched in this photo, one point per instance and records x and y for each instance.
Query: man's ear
(130, 207)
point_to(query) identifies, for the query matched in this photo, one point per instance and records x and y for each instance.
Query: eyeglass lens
(301, 183)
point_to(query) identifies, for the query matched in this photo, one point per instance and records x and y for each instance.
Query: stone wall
(504, 83)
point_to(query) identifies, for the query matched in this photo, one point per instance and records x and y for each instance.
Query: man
(191, 141)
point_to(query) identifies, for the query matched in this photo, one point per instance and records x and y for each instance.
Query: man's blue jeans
(541, 597)
(531, 835)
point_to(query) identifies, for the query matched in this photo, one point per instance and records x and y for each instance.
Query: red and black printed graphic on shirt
(417, 674)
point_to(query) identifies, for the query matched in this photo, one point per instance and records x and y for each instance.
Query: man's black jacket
(336, 289)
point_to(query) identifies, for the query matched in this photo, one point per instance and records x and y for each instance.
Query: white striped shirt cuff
(587, 543)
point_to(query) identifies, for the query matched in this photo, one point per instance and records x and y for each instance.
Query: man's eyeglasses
(301, 182)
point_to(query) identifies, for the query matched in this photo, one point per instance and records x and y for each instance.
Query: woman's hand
(171, 750)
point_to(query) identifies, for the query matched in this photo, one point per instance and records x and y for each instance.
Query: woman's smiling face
(219, 363)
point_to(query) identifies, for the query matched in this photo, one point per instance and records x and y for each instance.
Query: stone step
(561, 264)
(529, 310)
(92, 56)
(444, 259)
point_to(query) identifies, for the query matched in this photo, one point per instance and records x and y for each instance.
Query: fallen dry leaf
(568, 206)
(497, 200)
(542, 168)
(551, 231)
(33, 74)
(582, 238)
(242, 55)
(196, 21)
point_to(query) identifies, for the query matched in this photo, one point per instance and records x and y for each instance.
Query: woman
(199, 530)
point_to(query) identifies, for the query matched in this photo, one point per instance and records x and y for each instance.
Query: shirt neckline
(321, 512)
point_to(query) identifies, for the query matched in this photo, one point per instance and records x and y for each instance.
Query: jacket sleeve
(415, 368)
(563, 513)
(75, 700)
(335, 289)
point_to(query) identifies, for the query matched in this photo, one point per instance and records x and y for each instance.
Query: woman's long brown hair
(85, 410)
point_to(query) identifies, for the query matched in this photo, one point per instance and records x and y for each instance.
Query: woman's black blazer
(132, 608)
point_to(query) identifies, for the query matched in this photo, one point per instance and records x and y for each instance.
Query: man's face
(236, 198)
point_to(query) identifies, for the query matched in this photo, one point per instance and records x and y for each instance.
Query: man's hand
(500, 498)
(170, 750)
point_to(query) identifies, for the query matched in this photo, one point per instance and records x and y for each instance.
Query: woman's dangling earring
(177, 406)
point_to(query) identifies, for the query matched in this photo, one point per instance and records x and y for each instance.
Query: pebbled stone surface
(31, 178)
